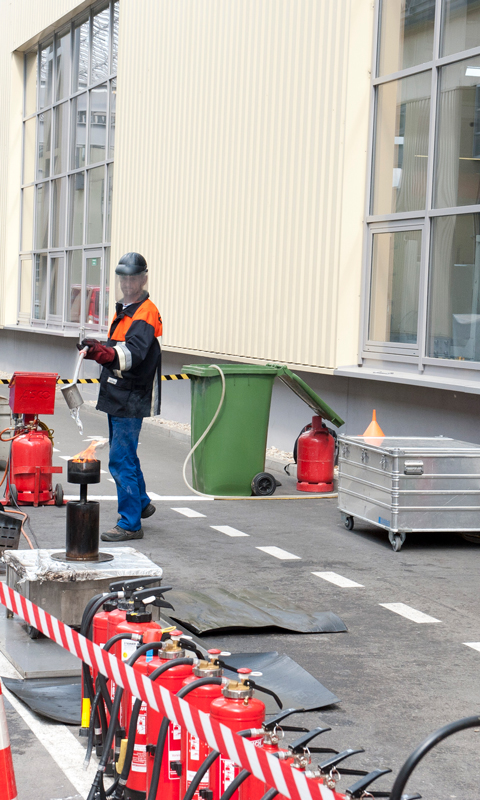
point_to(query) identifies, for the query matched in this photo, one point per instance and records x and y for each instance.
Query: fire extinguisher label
(142, 716)
(204, 782)
(128, 648)
(228, 771)
(139, 759)
(174, 753)
(193, 747)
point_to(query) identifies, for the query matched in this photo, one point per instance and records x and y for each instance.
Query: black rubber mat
(56, 698)
(224, 611)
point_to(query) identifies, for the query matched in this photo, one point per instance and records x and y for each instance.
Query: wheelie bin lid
(207, 371)
(305, 393)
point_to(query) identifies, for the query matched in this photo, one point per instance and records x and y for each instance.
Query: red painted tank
(315, 458)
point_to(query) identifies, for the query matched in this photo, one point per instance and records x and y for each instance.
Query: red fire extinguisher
(239, 710)
(315, 458)
(169, 779)
(193, 750)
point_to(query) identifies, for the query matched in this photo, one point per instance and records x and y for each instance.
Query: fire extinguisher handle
(287, 712)
(327, 765)
(299, 745)
(195, 684)
(358, 788)
(132, 584)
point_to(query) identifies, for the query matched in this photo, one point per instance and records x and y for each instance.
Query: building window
(423, 264)
(67, 182)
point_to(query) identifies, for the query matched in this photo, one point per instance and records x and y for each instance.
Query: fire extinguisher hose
(270, 794)
(233, 786)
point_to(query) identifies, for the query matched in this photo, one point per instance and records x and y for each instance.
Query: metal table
(409, 485)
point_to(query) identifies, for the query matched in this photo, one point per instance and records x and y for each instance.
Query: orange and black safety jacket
(130, 386)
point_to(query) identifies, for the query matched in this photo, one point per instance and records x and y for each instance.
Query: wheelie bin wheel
(263, 484)
(349, 523)
(13, 494)
(58, 495)
(397, 540)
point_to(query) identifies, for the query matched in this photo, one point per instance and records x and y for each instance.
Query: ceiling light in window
(472, 72)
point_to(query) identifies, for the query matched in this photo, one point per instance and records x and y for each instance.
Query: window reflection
(457, 173)
(395, 286)
(455, 287)
(100, 40)
(79, 121)
(44, 144)
(96, 197)
(42, 213)
(74, 286)
(98, 123)
(63, 66)
(401, 144)
(40, 287)
(59, 212)
(93, 285)
(46, 75)
(56, 286)
(461, 25)
(77, 189)
(113, 102)
(116, 20)
(80, 56)
(61, 138)
(406, 34)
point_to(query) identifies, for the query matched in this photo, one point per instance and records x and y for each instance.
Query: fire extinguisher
(194, 751)
(272, 733)
(168, 787)
(238, 709)
(316, 458)
(331, 775)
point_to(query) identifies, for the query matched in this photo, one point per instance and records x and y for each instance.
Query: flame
(89, 453)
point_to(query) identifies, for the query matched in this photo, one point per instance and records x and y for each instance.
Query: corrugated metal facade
(229, 170)
(240, 164)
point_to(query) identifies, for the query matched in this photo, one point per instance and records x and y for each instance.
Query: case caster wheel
(396, 540)
(263, 484)
(349, 522)
(474, 538)
(13, 495)
(33, 632)
(58, 494)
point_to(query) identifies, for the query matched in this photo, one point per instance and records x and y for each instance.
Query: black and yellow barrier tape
(177, 377)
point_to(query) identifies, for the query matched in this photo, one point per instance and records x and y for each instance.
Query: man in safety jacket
(130, 384)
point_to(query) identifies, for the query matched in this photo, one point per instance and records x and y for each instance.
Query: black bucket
(9, 532)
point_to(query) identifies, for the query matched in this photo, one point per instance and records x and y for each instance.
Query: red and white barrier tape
(289, 782)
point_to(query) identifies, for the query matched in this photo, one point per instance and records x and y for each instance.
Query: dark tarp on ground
(60, 699)
(56, 698)
(221, 610)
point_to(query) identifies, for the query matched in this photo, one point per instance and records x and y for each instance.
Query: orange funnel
(374, 428)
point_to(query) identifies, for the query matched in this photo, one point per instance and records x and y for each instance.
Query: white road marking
(56, 450)
(408, 612)
(66, 458)
(473, 645)
(172, 498)
(152, 496)
(338, 580)
(58, 740)
(104, 471)
(228, 530)
(111, 480)
(92, 497)
(188, 512)
(279, 553)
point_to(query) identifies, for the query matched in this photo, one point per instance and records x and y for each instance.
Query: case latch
(413, 468)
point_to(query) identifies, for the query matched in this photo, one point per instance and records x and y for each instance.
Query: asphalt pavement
(400, 671)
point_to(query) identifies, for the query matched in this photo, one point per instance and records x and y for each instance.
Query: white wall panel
(229, 170)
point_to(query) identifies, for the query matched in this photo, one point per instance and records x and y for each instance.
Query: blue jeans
(126, 471)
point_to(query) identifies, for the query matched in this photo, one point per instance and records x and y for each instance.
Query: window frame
(56, 322)
(408, 220)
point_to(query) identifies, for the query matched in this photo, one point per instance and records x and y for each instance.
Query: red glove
(97, 351)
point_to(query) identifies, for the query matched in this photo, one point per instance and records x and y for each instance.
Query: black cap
(131, 264)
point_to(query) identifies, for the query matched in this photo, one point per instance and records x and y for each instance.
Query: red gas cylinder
(30, 452)
(169, 781)
(239, 710)
(194, 750)
(315, 458)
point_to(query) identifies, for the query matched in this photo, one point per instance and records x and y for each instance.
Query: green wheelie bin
(230, 461)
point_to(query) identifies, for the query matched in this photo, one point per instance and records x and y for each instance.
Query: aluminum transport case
(409, 485)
